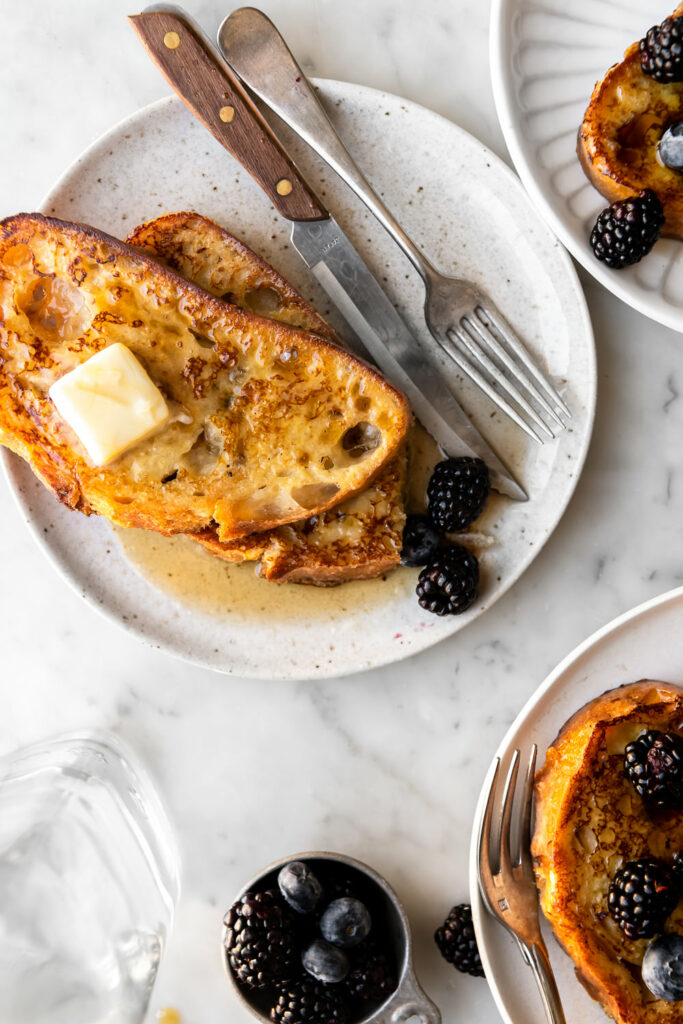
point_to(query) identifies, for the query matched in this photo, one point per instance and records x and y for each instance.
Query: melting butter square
(110, 403)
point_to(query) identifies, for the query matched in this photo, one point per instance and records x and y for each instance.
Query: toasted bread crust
(357, 539)
(617, 144)
(265, 402)
(588, 822)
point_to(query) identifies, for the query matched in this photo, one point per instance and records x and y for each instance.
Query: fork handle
(258, 54)
(545, 979)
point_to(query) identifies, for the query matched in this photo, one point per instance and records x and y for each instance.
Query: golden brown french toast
(627, 115)
(357, 539)
(268, 423)
(589, 821)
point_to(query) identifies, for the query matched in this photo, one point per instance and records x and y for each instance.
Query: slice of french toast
(268, 423)
(627, 115)
(589, 821)
(357, 539)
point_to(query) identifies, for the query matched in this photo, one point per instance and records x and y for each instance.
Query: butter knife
(207, 85)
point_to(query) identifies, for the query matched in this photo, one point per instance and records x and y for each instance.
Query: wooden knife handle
(210, 89)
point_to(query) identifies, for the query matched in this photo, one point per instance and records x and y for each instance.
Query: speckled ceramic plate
(546, 56)
(644, 643)
(471, 214)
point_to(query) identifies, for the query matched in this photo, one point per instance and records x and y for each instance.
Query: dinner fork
(461, 317)
(506, 877)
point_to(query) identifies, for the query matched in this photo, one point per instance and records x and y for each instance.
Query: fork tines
(485, 347)
(506, 875)
(505, 860)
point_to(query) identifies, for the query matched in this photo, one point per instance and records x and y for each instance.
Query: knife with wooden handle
(210, 89)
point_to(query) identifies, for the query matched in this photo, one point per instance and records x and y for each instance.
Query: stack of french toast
(274, 444)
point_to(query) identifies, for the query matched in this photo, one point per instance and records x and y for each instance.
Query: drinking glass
(89, 879)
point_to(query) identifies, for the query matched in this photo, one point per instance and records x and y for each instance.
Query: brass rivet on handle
(226, 114)
(284, 187)
(172, 40)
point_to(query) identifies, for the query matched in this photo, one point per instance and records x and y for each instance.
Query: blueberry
(420, 542)
(299, 886)
(663, 968)
(346, 922)
(670, 147)
(325, 962)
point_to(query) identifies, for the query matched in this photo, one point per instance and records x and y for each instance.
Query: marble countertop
(385, 766)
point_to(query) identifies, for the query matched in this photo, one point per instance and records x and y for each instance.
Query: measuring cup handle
(408, 1003)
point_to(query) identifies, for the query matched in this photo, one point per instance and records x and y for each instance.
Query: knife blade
(211, 90)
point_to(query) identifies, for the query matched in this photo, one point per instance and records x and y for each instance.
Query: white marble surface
(384, 766)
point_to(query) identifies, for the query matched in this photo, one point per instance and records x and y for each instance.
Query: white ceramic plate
(546, 56)
(472, 215)
(645, 643)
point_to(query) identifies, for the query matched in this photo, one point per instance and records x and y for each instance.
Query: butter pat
(109, 402)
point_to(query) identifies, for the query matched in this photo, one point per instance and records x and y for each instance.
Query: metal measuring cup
(408, 1003)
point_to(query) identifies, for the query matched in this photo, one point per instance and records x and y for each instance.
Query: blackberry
(450, 584)
(457, 942)
(661, 51)
(641, 897)
(308, 1002)
(372, 977)
(339, 883)
(260, 940)
(626, 231)
(654, 764)
(457, 492)
(420, 542)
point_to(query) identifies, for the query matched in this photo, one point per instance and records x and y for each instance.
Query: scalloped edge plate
(545, 58)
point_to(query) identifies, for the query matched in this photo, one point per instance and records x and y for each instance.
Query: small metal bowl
(408, 1004)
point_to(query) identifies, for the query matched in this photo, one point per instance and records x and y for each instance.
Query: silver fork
(506, 877)
(460, 316)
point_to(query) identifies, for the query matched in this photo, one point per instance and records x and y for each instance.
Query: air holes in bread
(314, 495)
(201, 340)
(17, 255)
(262, 301)
(55, 309)
(204, 454)
(360, 439)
